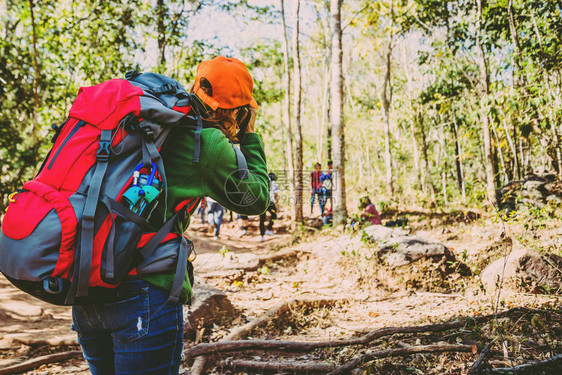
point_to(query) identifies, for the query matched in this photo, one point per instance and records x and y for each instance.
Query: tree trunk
(336, 116)
(442, 160)
(387, 100)
(520, 80)
(458, 159)
(555, 137)
(485, 82)
(323, 109)
(409, 87)
(297, 114)
(287, 113)
(161, 31)
(500, 154)
(35, 87)
(513, 149)
(428, 181)
(329, 139)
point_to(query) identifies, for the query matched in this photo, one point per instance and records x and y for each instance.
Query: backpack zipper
(78, 125)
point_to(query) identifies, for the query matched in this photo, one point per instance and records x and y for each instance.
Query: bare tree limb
(36, 362)
(399, 352)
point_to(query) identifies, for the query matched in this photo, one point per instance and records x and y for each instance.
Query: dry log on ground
(36, 362)
(481, 362)
(399, 352)
(281, 366)
(552, 365)
(241, 345)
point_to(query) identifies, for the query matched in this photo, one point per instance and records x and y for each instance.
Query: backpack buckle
(131, 75)
(147, 132)
(103, 151)
(52, 285)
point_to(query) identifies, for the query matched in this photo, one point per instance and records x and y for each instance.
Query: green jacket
(215, 175)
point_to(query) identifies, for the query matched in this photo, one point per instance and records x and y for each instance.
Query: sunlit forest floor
(354, 293)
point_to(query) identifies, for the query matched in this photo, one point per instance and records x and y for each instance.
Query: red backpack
(80, 226)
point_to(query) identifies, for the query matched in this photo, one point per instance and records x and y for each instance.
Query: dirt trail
(30, 328)
(330, 265)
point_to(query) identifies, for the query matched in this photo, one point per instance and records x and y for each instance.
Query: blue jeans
(215, 215)
(140, 333)
(320, 195)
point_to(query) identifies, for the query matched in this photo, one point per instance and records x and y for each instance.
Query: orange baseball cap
(231, 82)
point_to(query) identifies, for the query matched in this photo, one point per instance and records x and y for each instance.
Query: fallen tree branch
(293, 366)
(552, 365)
(36, 362)
(277, 309)
(476, 368)
(241, 345)
(399, 352)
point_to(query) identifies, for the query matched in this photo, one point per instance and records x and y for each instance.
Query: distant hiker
(215, 214)
(316, 188)
(369, 213)
(243, 225)
(201, 210)
(327, 184)
(272, 209)
(101, 226)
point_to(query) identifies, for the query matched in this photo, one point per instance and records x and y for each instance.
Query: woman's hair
(227, 120)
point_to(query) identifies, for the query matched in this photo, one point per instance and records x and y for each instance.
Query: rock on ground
(398, 248)
(540, 273)
(505, 267)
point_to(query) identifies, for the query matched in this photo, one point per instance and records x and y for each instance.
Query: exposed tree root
(478, 366)
(36, 362)
(552, 365)
(399, 352)
(277, 309)
(227, 345)
(290, 366)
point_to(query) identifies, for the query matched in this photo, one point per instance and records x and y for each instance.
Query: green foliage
(437, 100)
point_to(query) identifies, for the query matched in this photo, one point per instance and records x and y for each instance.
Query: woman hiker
(140, 332)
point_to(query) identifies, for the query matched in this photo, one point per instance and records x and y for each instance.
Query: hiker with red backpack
(316, 188)
(100, 227)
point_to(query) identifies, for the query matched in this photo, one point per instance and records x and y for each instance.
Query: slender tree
(485, 87)
(287, 110)
(337, 115)
(35, 144)
(386, 102)
(161, 13)
(298, 217)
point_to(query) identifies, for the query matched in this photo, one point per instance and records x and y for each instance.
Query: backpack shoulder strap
(83, 258)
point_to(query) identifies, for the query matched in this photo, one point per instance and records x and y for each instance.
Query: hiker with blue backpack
(101, 225)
